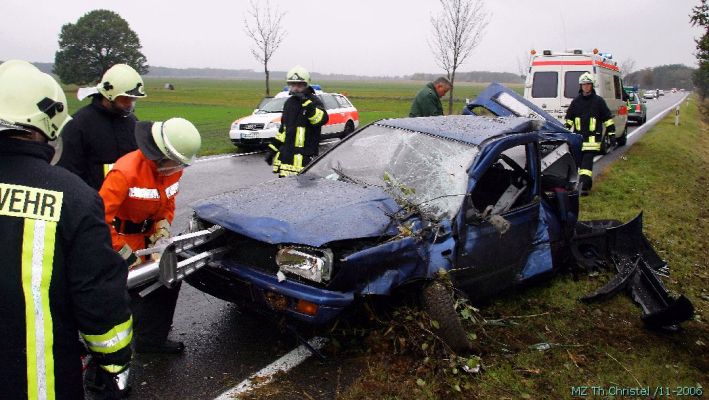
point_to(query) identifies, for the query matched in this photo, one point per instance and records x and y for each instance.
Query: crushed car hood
(302, 210)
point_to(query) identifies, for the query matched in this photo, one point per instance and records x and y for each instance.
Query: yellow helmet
(29, 98)
(298, 74)
(178, 139)
(121, 80)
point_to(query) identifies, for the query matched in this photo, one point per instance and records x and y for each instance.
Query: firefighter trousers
(152, 314)
(586, 170)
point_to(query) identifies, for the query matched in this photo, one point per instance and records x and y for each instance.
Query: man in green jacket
(428, 100)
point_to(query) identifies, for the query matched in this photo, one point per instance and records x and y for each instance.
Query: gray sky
(364, 37)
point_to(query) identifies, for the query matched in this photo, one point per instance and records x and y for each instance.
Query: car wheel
(349, 128)
(623, 139)
(440, 306)
(606, 144)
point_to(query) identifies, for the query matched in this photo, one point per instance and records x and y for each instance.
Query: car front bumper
(263, 293)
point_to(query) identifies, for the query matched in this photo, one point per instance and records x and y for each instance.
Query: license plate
(249, 135)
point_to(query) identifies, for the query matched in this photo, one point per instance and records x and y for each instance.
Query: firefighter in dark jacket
(587, 115)
(427, 102)
(298, 139)
(103, 131)
(60, 278)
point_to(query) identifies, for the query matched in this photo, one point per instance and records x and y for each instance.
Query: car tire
(349, 128)
(606, 145)
(622, 139)
(439, 304)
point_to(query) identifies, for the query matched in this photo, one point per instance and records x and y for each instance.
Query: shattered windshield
(415, 168)
(273, 106)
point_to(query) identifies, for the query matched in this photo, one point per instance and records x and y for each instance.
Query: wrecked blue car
(488, 201)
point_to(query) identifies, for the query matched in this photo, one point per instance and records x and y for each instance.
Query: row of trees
(700, 17)
(662, 77)
(101, 38)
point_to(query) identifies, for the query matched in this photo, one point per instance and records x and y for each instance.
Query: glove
(162, 231)
(105, 385)
(131, 259)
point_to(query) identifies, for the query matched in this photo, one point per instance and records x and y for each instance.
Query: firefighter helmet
(298, 74)
(121, 80)
(177, 139)
(29, 98)
(587, 78)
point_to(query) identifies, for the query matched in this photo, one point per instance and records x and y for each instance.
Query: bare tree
(457, 30)
(627, 66)
(263, 26)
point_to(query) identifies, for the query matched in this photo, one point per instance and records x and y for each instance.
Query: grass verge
(545, 343)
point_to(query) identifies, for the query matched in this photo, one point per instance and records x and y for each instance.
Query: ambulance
(553, 81)
(261, 127)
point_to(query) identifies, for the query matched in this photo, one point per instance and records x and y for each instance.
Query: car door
(501, 217)
(334, 124)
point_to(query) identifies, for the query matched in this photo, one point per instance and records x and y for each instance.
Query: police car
(553, 82)
(263, 124)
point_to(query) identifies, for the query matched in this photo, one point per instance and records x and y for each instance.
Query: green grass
(602, 344)
(212, 105)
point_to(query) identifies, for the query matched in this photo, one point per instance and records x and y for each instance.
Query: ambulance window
(571, 83)
(545, 84)
(618, 87)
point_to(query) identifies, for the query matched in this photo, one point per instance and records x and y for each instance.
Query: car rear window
(544, 84)
(571, 83)
(344, 103)
(329, 101)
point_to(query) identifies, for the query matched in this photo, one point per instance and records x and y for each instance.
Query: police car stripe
(143, 193)
(37, 261)
(172, 189)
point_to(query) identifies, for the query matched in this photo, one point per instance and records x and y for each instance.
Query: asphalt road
(224, 346)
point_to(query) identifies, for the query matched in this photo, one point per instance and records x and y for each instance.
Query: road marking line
(285, 364)
(659, 115)
(647, 124)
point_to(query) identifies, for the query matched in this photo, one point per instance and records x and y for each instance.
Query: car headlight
(273, 125)
(309, 263)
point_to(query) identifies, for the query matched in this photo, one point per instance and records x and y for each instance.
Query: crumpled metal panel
(301, 210)
(463, 128)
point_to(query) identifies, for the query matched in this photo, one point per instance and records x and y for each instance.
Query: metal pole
(677, 115)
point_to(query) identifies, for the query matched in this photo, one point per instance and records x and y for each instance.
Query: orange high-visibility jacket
(134, 191)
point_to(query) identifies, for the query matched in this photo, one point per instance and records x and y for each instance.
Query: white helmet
(29, 98)
(178, 139)
(587, 78)
(298, 74)
(121, 80)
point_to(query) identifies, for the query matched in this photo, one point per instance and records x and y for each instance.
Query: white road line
(648, 123)
(659, 115)
(285, 364)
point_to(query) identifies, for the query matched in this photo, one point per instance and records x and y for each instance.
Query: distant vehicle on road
(261, 127)
(649, 94)
(661, 92)
(637, 109)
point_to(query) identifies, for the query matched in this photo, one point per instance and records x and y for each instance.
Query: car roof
(465, 128)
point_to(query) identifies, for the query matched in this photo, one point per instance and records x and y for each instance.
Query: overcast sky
(364, 37)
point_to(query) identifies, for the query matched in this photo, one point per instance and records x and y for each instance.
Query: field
(212, 105)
